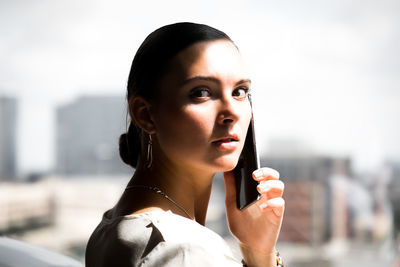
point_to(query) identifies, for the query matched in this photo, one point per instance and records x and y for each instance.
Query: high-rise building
(87, 133)
(309, 212)
(394, 194)
(8, 124)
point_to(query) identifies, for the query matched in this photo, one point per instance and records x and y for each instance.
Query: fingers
(277, 205)
(265, 174)
(271, 188)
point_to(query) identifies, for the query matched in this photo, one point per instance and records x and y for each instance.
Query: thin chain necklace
(158, 191)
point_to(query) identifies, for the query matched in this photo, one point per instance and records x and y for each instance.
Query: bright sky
(324, 72)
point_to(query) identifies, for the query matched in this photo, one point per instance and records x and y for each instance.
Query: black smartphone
(249, 161)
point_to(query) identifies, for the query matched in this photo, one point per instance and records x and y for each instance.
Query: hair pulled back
(148, 67)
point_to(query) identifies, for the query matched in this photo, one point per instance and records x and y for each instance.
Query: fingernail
(263, 206)
(257, 173)
(263, 187)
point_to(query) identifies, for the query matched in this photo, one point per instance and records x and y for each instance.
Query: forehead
(219, 59)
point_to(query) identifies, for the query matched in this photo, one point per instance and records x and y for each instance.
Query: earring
(149, 152)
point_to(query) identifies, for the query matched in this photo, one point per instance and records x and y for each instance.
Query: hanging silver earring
(149, 152)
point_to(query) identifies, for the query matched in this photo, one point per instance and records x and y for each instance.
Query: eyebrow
(212, 79)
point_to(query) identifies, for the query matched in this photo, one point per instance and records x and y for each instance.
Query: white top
(156, 238)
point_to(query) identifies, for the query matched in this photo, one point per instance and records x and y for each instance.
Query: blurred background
(326, 89)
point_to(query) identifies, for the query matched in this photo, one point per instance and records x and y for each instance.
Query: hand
(257, 226)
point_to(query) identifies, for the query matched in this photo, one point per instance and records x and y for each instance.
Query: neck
(191, 189)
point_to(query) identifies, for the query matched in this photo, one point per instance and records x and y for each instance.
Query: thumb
(230, 189)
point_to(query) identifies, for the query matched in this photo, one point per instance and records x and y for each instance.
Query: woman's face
(202, 113)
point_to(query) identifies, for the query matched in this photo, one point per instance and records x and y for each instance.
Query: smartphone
(249, 161)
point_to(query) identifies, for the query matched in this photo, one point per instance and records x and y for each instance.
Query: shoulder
(154, 239)
(118, 241)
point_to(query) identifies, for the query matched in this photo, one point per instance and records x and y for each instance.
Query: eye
(240, 92)
(200, 93)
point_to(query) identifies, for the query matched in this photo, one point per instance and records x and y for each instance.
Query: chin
(226, 164)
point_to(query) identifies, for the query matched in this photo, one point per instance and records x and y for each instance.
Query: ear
(140, 112)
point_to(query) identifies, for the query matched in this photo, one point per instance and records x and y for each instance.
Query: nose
(229, 112)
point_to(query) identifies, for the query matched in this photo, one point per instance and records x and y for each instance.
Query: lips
(229, 138)
(227, 143)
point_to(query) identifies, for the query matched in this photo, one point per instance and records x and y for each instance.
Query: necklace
(158, 191)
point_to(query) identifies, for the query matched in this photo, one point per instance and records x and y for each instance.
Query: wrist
(254, 258)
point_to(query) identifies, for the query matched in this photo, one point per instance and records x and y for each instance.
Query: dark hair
(149, 65)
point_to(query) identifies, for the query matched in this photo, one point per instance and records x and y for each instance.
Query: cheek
(245, 118)
(184, 129)
(193, 126)
(244, 123)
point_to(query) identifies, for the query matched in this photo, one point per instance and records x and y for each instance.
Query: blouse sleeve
(153, 242)
(166, 254)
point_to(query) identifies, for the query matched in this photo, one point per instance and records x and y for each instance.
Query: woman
(188, 102)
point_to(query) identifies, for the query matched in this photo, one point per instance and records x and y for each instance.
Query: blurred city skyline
(324, 73)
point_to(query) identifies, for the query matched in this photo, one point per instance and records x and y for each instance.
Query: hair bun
(129, 146)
